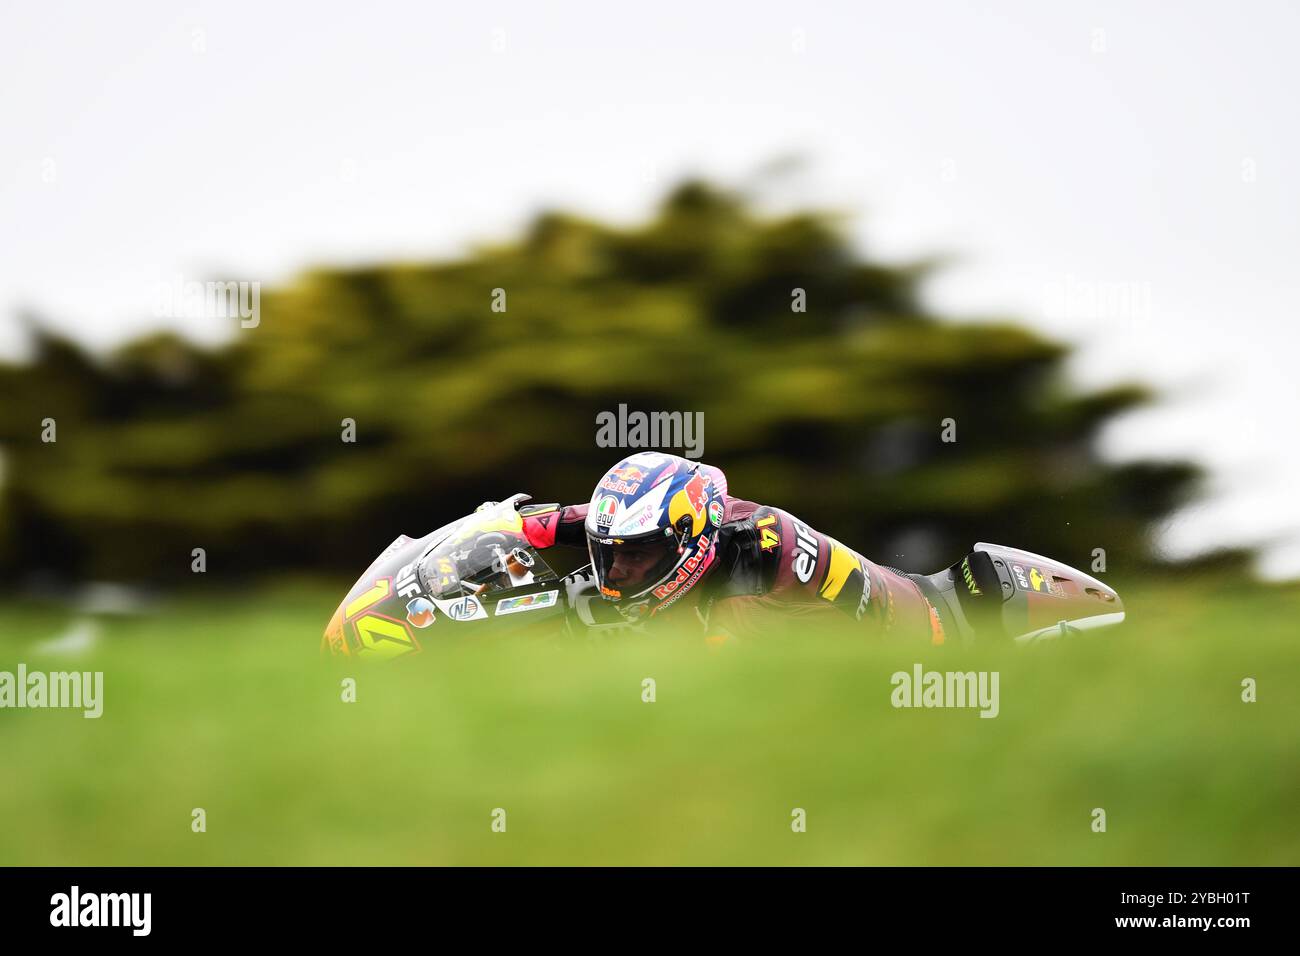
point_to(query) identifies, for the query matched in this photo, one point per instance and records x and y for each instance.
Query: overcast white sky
(1122, 175)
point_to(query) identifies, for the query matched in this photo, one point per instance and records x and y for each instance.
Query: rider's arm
(776, 566)
(548, 525)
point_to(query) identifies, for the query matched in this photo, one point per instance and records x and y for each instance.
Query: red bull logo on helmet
(697, 492)
(691, 500)
(624, 481)
(689, 572)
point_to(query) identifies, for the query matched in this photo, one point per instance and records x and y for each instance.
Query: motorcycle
(1006, 593)
(481, 570)
(477, 570)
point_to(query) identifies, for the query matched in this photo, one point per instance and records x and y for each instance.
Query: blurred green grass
(224, 704)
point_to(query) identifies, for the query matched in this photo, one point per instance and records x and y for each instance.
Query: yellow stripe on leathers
(843, 562)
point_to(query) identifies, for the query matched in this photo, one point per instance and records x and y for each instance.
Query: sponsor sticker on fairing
(408, 585)
(1041, 583)
(419, 612)
(466, 609)
(527, 602)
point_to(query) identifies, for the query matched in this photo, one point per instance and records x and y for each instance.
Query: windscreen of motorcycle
(488, 553)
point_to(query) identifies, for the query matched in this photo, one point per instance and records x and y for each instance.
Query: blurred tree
(834, 413)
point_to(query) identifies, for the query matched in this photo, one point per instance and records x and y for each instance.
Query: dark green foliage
(834, 413)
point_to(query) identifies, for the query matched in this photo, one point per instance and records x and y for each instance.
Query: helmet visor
(625, 567)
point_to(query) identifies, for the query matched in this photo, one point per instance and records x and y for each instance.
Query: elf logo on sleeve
(805, 555)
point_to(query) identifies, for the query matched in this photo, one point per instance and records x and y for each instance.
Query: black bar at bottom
(371, 904)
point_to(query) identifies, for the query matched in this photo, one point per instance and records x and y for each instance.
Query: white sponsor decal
(465, 609)
(805, 555)
(642, 516)
(527, 602)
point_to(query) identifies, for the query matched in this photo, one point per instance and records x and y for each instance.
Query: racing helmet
(652, 528)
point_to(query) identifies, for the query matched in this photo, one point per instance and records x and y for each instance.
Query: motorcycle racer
(664, 535)
(668, 543)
